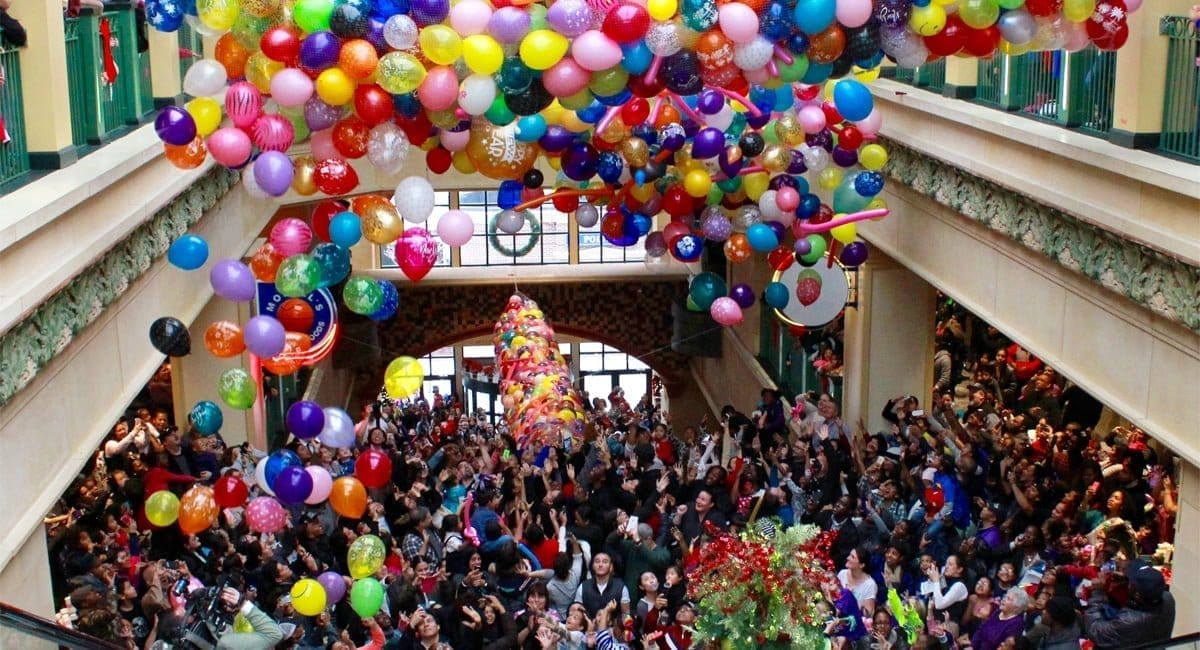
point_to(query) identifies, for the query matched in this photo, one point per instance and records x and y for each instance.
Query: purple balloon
(797, 166)
(319, 50)
(708, 143)
(556, 138)
(334, 584)
(375, 36)
(305, 419)
(319, 115)
(273, 172)
(777, 228)
(802, 246)
(569, 17)
(656, 244)
(175, 126)
(293, 485)
(430, 12)
(716, 226)
(844, 157)
(509, 24)
(854, 254)
(710, 102)
(232, 280)
(580, 161)
(743, 295)
(264, 336)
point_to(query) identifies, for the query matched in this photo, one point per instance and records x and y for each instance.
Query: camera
(204, 621)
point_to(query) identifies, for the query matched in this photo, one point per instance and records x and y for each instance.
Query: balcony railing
(14, 154)
(1073, 89)
(191, 48)
(1181, 103)
(103, 107)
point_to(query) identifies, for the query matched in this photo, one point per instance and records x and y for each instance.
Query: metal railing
(101, 107)
(190, 41)
(1180, 135)
(930, 75)
(1073, 89)
(14, 154)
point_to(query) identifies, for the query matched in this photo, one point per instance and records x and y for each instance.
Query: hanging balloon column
(541, 405)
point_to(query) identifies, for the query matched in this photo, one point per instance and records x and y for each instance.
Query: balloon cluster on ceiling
(541, 405)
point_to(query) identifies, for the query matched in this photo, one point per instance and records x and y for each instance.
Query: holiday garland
(535, 235)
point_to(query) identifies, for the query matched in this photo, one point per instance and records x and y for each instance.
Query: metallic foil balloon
(381, 222)
(302, 177)
(497, 153)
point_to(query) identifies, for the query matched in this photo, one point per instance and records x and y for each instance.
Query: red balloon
(416, 128)
(850, 138)
(626, 23)
(1043, 8)
(1114, 41)
(373, 468)
(565, 203)
(373, 104)
(832, 116)
(323, 214)
(635, 111)
(950, 40)
(1107, 20)
(335, 177)
(642, 87)
(350, 136)
(438, 160)
(281, 44)
(981, 42)
(677, 202)
(781, 258)
(230, 492)
(296, 315)
(674, 230)
(824, 214)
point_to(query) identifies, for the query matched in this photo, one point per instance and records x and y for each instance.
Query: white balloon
(251, 184)
(387, 148)
(400, 32)
(414, 199)
(205, 77)
(260, 476)
(586, 215)
(510, 222)
(476, 94)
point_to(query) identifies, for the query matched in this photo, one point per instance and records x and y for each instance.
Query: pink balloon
(291, 236)
(1075, 36)
(455, 140)
(322, 484)
(565, 78)
(439, 91)
(1133, 5)
(470, 17)
(594, 51)
(291, 87)
(812, 119)
(273, 132)
(323, 147)
(416, 253)
(455, 228)
(243, 103)
(265, 515)
(757, 75)
(853, 13)
(726, 311)
(739, 22)
(787, 198)
(871, 124)
(229, 146)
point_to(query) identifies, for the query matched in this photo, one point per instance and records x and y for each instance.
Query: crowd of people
(990, 505)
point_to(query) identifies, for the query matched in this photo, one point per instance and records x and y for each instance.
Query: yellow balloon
(162, 508)
(643, 192)
(1012, 49)
(873, 157)
(927, 20)
(697, 183)
(1078, 11)
(542, 48)
(308, 597)
(441, 44)
(335, 87)
(866, 75)
(403, 377)
(755, 184)
(877, 203)
(482, 54)
(218, 14)
(462, 163)
(399, 73)
(260, 69)
(830, 178)
(555, 163)
(206, 112)
(844, 233)
(661, 10)
(553, 114)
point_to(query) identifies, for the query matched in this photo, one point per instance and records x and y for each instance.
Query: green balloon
(846, 199)
(362, 295)
(1012, 4)
(366, 597)
(312, 15)
(579, 100)
(705, 288)
(692, 306)
(795, 71)
(818, 249)
(298, 276)
(768, 133)
(499, 113)
(248, 29)
(730, 184)
(609, 82)
(537, 16)
(236, 388)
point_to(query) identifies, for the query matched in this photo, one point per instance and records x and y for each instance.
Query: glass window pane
(443, 352)
(589, 246)
(597, 385)
(634, 364)
(590, 346)
(615, 361)
(564, 348)
(475, 197)
(591, 363)
(556, 248)
(442, 367)
(634, 385)
(478, 352)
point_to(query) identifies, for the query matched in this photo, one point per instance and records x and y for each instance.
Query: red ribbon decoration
(109, 74)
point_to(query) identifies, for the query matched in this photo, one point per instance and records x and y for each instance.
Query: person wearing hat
(1147, 617)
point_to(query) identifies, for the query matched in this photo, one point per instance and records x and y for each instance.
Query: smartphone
(919, 413)
(1095, 486)
(632, 524)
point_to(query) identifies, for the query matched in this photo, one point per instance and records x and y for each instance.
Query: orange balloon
(296, 315)
(186, 156)
(232, 55)
(737, 248)
(198, 510)
(827, 46)
(358, 58)
(265, 262)
(224, 339)
(496, 152)
(294, 342)
(348, 497)
(666, 115)
(714, 49)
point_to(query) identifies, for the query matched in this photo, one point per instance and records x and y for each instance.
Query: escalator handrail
(18, 619)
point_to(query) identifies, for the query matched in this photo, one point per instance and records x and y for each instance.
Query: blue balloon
(817, 72)
(784, 98)
(775, 22)
(853, 100)
(279, 461)
(206, 417)
(641, 224)
(617, 99)
(334, 262)
(868, 183)
(345, 229)
(509, 195)
(390, 303)
(638, 57)
(592, 113)
(530, 128)
(846, 198)
(687, 248)
(761, 238)
(407, 104)
(164, 15)
(810, 205)
(813, 16)
(610, 166)
(776, 295)
(189, 252)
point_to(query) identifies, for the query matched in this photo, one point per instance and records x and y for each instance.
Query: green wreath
(535, 235)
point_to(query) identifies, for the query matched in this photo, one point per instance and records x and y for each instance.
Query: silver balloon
(816, 159)
(1017, 26)
(510, 222)
(746, 216)
(400, 32)
(586, 215)
(657, 265)
(387, 148)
